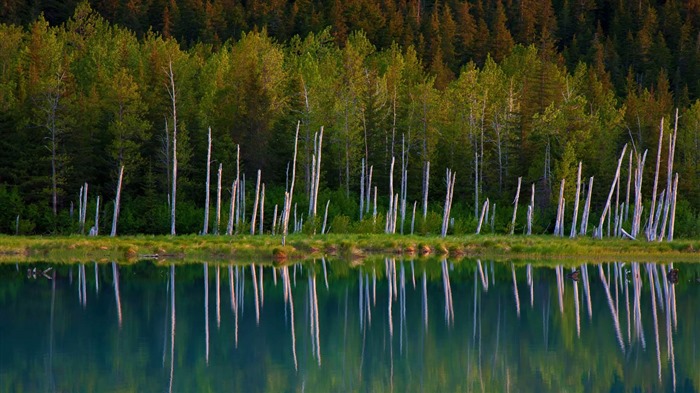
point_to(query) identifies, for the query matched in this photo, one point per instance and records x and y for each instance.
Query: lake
(385, 324)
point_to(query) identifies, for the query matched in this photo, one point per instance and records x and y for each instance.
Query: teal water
(326, 326)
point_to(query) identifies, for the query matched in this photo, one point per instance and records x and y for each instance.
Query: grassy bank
(78, 248)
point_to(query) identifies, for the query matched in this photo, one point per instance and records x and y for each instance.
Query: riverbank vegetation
(349, 247)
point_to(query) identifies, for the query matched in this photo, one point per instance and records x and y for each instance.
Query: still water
(326, 326)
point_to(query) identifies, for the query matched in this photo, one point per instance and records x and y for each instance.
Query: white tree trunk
(426, 185)
(558, 230)
(669, 177)
(629, 183)
(362, 189)
(318, 170)
(218, 201)
(483, 213)
(574, 221)
(325, 218)
(238, 185)
(650, 236)
(117, 200)
(374, 214)
(586, 208)
(94, 231)
(288, 206)
(274, 220)
(234, 190)
(413, 216)
(391, 198)
(531, 211)
(173, 98)
(673, 208)
(612, 189)
(515, 208)
(262, 209)
(255, 205)
(368, 189)
(207, 188)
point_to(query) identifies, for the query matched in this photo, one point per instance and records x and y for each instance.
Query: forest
(491, 90)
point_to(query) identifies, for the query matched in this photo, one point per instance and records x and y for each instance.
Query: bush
(340, 224)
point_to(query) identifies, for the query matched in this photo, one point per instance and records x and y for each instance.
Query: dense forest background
(529, 88)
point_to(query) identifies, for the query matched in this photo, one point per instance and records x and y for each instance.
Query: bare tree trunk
(394, 214)
(318, 170)
(426, 185)
(374, 214)
(391, 198)
(476, 184)
(669, 176)
(115, 217)
(325, 218)
(617, 204)
(586, 208)
(639, 177)
(413, 217)
(531, 211)
(574, 221)
(362, 189)
(274, 220)
(291, 190)
(673, 208)
(238, 185)
(262, 209)
(483, 213)
(558, 230)
(255, 205)
(218, 201)
(650, 236)
(515, 208)
(173, 98)
(629, 183)
(205, 230)
(85, 199)
(368, 189)
(234, 190)
(612, 189)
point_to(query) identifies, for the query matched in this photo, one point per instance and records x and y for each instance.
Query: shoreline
(349, 247)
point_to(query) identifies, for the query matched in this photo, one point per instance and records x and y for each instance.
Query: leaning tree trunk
(117, 200)
(515, 208)
(599, 230)
(650, 235)
(288, 204)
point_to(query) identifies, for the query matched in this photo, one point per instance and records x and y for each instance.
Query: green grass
(268, 248)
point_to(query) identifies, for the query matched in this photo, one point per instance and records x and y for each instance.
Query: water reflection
(462, 327)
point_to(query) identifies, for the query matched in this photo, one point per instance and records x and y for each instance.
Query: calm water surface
(324, 326)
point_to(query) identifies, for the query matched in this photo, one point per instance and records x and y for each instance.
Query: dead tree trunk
(255, 205)
(669, 176)
(606, 209)
(476, 184)
(117, 200)
(362, 189)
(238, 185)
(531, 211)
(218, 201)
(234, 190)
(413, 217)
(673, 208)
(639, 177)
(84, 214)
(629, 183)
(325, 218)
(288, 206)
(448, 201)
(578, 194)
(515, 208)
(650, 236)
(262, 209)
(274, 220)
(586, 208)
(484, 209)
(426, 184)
(558, 230)
(207, 188)
(173, 98)
(387, 228)
(368, 189)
